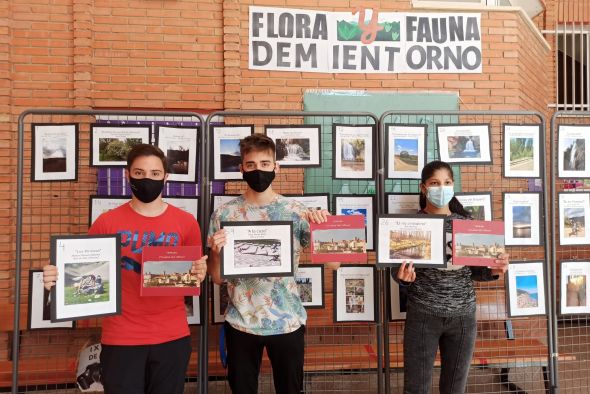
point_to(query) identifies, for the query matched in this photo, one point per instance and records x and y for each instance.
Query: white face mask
(440, 196)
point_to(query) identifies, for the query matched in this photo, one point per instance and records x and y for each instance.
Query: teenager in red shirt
(145, 349)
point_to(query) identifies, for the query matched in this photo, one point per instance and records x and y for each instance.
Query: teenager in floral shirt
(263, 312)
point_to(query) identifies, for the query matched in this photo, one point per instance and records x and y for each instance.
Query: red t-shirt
(145, 320)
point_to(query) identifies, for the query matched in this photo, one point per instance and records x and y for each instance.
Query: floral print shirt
(270, 305)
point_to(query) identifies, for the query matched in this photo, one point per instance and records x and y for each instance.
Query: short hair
(146, 150)
(258, 143)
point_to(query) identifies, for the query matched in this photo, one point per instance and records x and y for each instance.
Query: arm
(215, 243)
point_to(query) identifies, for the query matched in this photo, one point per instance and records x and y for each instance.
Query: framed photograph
(573, 160)
(218, 200)
(419, 238)
(89, 284)
(398, 300)
(39, 316)
(346, 204)
(575, 288)
(226, 151)
(166, 271)
(405, 152)
(403, 203)
(464, 143)
(310, 281)
(192, 305)
(55, 152)
(477, 242)
(102, 204)
(112, 143)
(522, 157)
(525, 288)
(573, 210)
(341, 238)
(479, 205)
(189, 204)
(353, 152)
(297, 145)
(312, 200)
(180, 145)
(257, 249)
(355, 293)
(220, 301)
(522, 218)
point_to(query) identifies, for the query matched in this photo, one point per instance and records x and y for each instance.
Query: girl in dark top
(441, 301)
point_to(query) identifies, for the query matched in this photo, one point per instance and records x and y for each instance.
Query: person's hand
(317, 215)
(501, 265)
(49, 276)
(406, 272)
(200, 268)
(217, 241)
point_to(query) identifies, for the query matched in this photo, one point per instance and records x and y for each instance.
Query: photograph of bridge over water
(408, 244)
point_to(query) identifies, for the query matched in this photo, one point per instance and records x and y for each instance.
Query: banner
(364, 41)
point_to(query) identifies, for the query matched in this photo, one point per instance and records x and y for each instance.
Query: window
(573, 78)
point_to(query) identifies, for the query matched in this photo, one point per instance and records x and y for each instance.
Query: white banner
(389, 42)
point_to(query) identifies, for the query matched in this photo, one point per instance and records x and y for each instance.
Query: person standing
(145, 349)
(262, 312)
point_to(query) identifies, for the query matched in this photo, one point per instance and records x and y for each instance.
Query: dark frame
(315, 267)
(193, 153)
(214, 306)
(560, 171)
(491, 207)
(337, 298)
(372, 216)
(388, 140)
(252, 272)
(216, 155)
(390, 274)
(34, 175)
(508, 294)
(201, 314)
(373, 150)
(506, 151)
(563, 295)
(560, 217)
(538, 213)
(467, 162)
(30, 306)
(92, 198)
(300, 126)
(400, 194)
(122, 163)
(195, 198)
(213, 195)
(431, 218)
(326, 195)
(116, 238)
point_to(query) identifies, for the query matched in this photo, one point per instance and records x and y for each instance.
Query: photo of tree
(406, 154)
(521, 154)
(116, 149)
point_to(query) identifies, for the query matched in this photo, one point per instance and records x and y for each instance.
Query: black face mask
(145, 189)
(259, 180)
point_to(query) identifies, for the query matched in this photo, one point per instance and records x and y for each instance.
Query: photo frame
(220, 300)
(522, 150)
(90, 280)
(522, 218)
(479, 204)
(347, 204)
(403, 203)
(101, 204)
(188, 204)
(310, 281)
(192, 306)
(353, 149)
(355, 293)
(180, 144)
(258, 249)
(525, 288)
(574, 287)
(296, 145)
(573, 159)
(466, 143)
(39, 311)
(574, 208)
(54, 154)
(341, 238)
(312, 200)
(405, 151)
(397, 301)
(218, 200)
(110, 144)
(419, 238)
(225, 141)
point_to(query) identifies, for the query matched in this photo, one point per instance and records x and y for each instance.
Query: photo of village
(257, 253)
(410, 244)
(339, 241)
(169, 274)
(487, 246)
(355, 295)
(527, 291)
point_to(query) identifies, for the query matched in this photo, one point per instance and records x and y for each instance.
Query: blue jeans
(423, 335)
